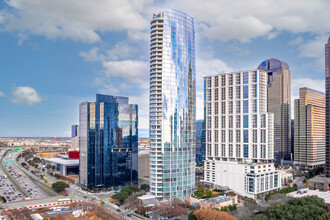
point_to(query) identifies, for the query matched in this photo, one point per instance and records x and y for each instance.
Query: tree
(53, 167)
(145, 187)
(125, 192)
(23, 164)
(206, 214)
(60, 186)
(48, 166)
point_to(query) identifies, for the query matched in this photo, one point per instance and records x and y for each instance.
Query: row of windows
(254, 120)
(254, 93)
(238, 136)
(253, 77)
(237, 152)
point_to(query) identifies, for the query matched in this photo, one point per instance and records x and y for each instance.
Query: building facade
(309, 114)
(200, 142)
(279, 103)
(239, 134)
(108, 142)
(74, 130)
(172, 105)
(327, 108)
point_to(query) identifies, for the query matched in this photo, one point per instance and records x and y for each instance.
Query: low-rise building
(308, 192)
(148, 200)
(65, 167)
(319, 182)
(286, 177)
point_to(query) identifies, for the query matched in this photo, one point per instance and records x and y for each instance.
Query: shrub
(60, 186)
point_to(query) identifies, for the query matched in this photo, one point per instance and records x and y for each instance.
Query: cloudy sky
(55, 54)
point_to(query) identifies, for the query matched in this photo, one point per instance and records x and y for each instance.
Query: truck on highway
(5, 176)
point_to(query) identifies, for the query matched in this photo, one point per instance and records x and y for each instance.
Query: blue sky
(57, 53)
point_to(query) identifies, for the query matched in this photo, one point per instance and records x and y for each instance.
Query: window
(230, 93)
(216, 150)
(223, 150)
(263, 136)
(254, 121)
(254, 151)
(216, 122)
(263, 151)
(208, 135)
(209, 152)
(254, 106)
(255, 136)
(246, 106)
(223, 121)
(230, 121)
(246, 92)
(230, 136)
(238, 107)
(238, 136)
(209, 110)
(223, 94)
(216, 108)
(238, 92)
(255, 76)
(230, 107)
(254, 91)
(208, 94)
(223, 136)
(238, 150)
(223, 108)
(245, 78)
(216, 136)
(223, 80)
(230, 79)
(216, 94)
(209, 124)
(245, 121)
(230, 149)
(238, 121)
(238, 78)
(246, 136)
(263, 121)
(208, 82)
(216, 81)
(246, 150)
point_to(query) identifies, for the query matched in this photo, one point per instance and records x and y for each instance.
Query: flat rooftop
(66, 162)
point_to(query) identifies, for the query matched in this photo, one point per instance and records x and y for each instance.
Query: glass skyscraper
(172, 105)
(200, 142)
(327, 108)
(279, 103)
(74, 130)
(108, 142)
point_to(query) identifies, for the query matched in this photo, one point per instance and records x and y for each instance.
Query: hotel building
(239, 133)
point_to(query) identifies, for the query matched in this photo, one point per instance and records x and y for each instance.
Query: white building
(239, 133)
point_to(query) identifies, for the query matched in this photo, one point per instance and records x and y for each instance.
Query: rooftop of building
(320, 179)
(308, 192)
(67, 162)
(239, 71)
(312, 90)
(273, 64)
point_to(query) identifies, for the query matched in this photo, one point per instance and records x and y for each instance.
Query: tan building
(143, 166)
(309, 129)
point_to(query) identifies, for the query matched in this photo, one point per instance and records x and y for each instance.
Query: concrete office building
(144, 166)
(327, 108)
(172, 105)
(309, 143)
(200, 142)
(279, 103)
(239, 134)
(108, 142)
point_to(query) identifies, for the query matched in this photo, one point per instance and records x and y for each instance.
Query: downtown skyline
(57, 68)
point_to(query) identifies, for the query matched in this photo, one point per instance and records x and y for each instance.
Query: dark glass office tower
(200, 142)
(108, 142)
(74, 130)
(327, 108)
(279, 103)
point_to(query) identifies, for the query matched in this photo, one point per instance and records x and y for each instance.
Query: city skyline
(39, 88)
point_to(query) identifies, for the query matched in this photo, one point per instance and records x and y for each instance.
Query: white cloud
(120, 50)
(92, 55)
(74, 19)
(2, 94)
(25, 95)
(313, 48)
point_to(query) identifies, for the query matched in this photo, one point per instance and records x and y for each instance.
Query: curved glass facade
(172, 105)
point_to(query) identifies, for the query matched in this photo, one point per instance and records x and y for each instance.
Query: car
(118, 210)
(129, 215)
(85, 197)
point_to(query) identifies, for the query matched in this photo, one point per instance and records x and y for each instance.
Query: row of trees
(125, 192)
(60, 186)
(285, 190)
(314, 172)
(310, 207)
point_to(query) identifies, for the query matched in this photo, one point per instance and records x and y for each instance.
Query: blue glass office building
(172, 105)
(200, 142)
(108, 142)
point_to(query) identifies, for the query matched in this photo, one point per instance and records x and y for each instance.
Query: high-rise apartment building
(74, 130)
(172, 105)
(239, 133)
(327, 108)
(279, 103)
(309, 115)
(108, 142)
(200, 142)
